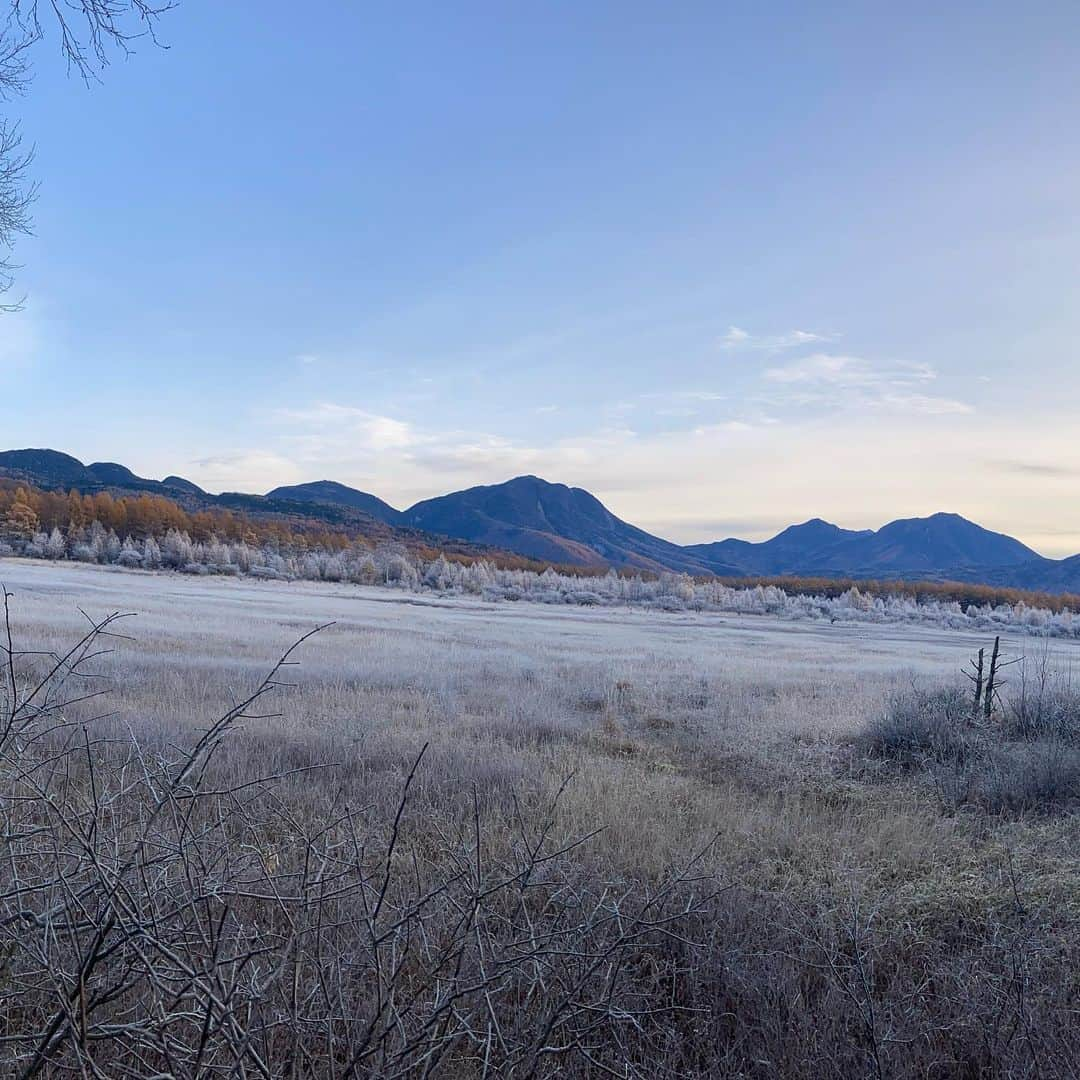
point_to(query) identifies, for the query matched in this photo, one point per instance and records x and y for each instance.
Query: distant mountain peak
(53, 467)
(180, 484)
(548, 521)
(333, 493)
(109, 472)
(814, 527)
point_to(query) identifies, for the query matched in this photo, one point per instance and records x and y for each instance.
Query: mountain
(942, 545)
(785, 553)
(108, 472)
(554, 522)
(345, 508)
(1043, 575)
(329, 492)
(53, 470)
(46, 468)
(938, 543)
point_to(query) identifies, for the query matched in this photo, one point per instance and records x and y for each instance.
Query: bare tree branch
(89, 33)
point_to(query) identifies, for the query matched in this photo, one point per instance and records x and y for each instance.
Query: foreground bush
(922, 724)
(1022, 755)
(1032, 776)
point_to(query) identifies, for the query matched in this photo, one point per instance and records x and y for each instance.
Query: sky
(728, 266)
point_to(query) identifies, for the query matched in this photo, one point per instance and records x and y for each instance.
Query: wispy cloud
(1034, 468)
(367, 430)
(244, 470)
(684, 395)
(737, 338)
(848, 371)
(923, 405)
(343, 440)
(726, 427)
(837, 380)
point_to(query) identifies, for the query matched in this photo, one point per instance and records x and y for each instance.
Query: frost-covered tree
(151, 554)
(56, 545)
(97, 541)
(438, 574)
(176, 549)
(112, 547)
(129, 554)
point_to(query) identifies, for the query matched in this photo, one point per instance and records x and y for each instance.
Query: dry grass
(862, 931)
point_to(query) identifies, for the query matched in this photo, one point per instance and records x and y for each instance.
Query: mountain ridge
(557, 523)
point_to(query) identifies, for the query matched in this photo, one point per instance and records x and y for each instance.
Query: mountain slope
(938, 546)
(1046, 575)
(785, 553)
(335, 494)
(541, 520)
(178, 483)
(48, 468)
(108, 472)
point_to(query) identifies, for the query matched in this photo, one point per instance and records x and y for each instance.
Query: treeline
(947, 592)
(25, 510)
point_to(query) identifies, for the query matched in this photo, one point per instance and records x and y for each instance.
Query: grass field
(850, 917)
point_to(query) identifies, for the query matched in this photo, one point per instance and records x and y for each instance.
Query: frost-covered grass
(866, 926)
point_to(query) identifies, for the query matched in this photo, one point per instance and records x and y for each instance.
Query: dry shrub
(921, 725)
(1027, 777)
(1045, 711)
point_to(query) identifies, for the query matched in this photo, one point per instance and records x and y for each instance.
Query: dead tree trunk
(977, 681)
(991, 681)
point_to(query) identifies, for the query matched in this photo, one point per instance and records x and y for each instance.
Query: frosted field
(647, 709)
(776, 675)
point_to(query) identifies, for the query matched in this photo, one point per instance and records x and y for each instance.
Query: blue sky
(727, 266)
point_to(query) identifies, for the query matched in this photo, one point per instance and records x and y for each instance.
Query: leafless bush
(1053, 715)
(162, 917)
(921, 725)
(1046, 703)
(1017, 755)
(1021, 777)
